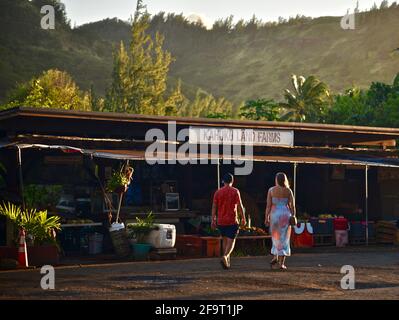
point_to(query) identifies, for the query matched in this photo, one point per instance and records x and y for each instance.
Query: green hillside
(238, 62)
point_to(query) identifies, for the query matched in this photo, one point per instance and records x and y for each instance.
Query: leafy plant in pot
(139, 231)
(40, 230)
(120, 180)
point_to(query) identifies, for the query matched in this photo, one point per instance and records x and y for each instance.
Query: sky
(84, 11)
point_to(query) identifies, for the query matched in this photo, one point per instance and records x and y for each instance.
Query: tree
(383, 99)
(308, 102)
(176, 101)
(350, 108)
(376, 106)
(384, 5)
(260, 109)
(139, 79)
(207, 106)
(53, 89)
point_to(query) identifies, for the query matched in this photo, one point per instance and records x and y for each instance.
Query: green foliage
(53, 89)
(41, 197)
(117, 180)
(206, 105)
(309, 101)
(376, 106)
(139, 79)
(36, 223)
(176, 101)
(260, 109)
(235, 64)
(141, 228)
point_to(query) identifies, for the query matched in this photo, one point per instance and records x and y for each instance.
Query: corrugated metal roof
(120, 117)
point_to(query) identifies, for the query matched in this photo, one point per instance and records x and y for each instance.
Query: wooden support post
(366, 204)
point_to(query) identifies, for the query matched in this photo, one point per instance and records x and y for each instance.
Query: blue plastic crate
(358, 229)
(322, 226)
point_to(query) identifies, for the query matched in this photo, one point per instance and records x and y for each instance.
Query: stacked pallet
(386, 232)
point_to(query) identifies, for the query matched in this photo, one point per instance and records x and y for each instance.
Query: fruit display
(252, 231)
(327, 216)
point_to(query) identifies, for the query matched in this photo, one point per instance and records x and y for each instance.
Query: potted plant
(138, 232)
(42, 197)
(120, 180)
(40, 230)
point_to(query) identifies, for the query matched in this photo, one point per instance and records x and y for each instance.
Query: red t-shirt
(226, 200)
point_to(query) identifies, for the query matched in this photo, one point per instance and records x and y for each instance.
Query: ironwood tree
(140, 72)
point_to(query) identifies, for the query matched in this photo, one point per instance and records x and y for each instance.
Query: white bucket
(116, 226)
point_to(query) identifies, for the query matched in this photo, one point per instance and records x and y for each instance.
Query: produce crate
(189, 245)
(322, 226)
(212, 246)
(323, 240)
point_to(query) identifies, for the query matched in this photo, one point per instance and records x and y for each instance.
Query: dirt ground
(313, 274)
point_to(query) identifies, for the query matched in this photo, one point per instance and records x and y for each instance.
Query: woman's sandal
(283, 267)
(273, 262)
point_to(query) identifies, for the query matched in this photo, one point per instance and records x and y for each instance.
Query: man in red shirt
(226, 203)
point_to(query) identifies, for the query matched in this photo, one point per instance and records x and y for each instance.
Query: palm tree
(308, 101)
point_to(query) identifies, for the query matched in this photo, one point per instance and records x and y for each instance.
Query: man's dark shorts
(230, 232)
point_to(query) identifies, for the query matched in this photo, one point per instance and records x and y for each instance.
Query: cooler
(163, 237)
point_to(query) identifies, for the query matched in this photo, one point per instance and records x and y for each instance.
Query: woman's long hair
(282, 180)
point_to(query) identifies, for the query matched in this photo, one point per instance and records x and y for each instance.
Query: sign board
(254, 137)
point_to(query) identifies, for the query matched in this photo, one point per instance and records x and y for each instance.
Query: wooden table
(254, 238)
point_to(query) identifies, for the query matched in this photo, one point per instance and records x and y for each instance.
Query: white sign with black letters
(255, 137)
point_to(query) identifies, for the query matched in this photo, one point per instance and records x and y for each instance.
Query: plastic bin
(341, 238)
(141, 251)
(96, 243)
(322, 226)
(358, 229)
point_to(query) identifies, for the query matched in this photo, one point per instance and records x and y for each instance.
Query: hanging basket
(121, 189)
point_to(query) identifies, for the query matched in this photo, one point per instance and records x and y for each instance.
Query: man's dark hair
(228, 178)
